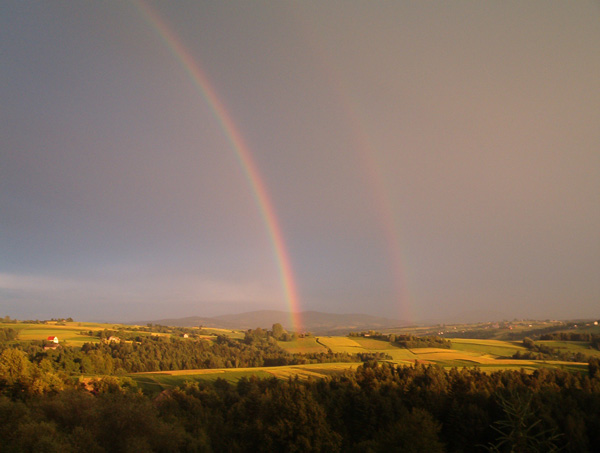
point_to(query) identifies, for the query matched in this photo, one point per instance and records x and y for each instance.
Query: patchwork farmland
(487, 354)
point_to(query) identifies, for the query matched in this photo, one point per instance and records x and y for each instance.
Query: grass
(492, 347)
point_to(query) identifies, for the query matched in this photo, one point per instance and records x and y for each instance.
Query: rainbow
(389, 223)
(242, 152)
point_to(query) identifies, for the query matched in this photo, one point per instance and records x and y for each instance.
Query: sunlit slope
(77, 333)
(342, 344)
(304, 345)
(464, 352)
(71, 333)
(162, 380)
(495, 348)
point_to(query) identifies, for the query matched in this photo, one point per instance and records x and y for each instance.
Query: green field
(492, 347)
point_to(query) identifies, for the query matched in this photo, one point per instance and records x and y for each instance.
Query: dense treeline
(8, 334)
(592, 338)
(506, 334)
(541, 351)
(377, 408)
(537, 333)
(412, 341)
(406, 340)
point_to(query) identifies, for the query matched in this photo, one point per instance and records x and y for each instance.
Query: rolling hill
(313, 321)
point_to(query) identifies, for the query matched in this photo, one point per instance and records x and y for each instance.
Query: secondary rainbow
(242, 152)
(376, 179)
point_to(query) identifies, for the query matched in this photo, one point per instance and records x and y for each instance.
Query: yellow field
(374, 345)
(159, 380)
(452, 357)
(304, 345)
(342, 344)
(66, 333)
(401, 355)
(213, 332)
(318, 370)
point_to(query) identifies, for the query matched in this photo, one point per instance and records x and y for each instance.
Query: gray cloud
(465, 134)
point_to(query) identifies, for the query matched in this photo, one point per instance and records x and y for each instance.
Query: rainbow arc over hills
(244, 156)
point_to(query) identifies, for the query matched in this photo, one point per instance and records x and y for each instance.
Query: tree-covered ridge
(407, 340)
(377, 408)
(170, 353)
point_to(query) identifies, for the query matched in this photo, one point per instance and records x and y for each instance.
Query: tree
(15, 368)
(528, 343)
(278, 331)
(594, 367)
(520, 430)
(415, 432)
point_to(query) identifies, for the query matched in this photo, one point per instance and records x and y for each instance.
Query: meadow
(487, 354)
(303, 345)
(68, 333)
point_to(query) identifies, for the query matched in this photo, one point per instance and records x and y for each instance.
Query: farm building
(52, 339)
(113, 340)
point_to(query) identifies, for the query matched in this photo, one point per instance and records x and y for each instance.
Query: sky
(413, 160)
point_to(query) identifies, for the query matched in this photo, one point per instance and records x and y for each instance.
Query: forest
(377, 408)
(76, 399)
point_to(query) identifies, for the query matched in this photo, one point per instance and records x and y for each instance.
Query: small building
(52, 339)
(185, 335)
(113, 340)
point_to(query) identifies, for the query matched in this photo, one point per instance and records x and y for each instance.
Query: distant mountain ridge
(313, 321)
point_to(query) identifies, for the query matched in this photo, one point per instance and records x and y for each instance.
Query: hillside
(313, 321)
